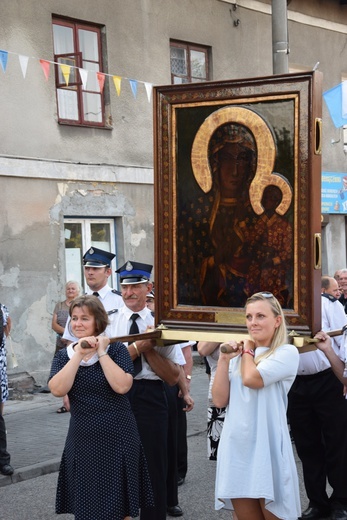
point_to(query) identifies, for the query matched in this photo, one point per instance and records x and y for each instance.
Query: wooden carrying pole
(303, 343)
(166, 337)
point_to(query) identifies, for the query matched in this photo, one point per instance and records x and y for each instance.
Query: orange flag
(45, 68)
(101, 80)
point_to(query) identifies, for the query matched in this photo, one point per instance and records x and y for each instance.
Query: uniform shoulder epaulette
(116, 292)
(112, 311)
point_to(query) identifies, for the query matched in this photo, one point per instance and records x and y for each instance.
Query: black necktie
(134, 329)
(96, 294)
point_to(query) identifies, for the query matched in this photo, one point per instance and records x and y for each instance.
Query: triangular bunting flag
(45, 68)
(117, 82)
(3, 59)
(149, 88)
(344, 99)
(133, 84)
(100, 76)
(84, 77)
(333, 99)
(65, 69)
(101, 80)
(23, 61)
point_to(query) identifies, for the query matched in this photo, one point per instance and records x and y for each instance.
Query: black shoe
(174, 511)
(339, 513)
(7, 470)
(180, 481)
(315, 513)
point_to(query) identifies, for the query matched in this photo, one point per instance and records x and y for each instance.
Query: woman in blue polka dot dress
(103, 473)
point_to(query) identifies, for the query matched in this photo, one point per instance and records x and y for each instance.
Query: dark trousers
(149, 404)
(177, 443)
(4, 455)
(182, 444)
(172, 475)
(317, 413)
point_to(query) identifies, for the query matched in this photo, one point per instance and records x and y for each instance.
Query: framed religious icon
(237, 200)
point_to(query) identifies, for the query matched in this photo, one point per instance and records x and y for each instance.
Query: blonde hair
(280, 336)
(70, 282)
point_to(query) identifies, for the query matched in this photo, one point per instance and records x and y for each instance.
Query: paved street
(36, 436)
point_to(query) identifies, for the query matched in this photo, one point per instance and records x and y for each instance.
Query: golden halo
(264, 175)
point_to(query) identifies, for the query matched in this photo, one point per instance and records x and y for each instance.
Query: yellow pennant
(65, 69)
(117, 81)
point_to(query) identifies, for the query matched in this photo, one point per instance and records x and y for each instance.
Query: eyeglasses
(267, 294)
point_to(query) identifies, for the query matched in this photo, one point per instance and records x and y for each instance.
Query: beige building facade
(76, 158)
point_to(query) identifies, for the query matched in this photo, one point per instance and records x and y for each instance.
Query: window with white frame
(189, 62)
(81, 234)
(78, 45)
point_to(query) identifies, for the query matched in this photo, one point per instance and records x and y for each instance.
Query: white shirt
(212, 360)
(111, 302)
(333, 317)
(182, 346)
(108, 298)
(120, 327)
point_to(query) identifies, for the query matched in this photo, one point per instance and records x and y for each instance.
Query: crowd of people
(315, 400)
(157, 392)
(262, 397)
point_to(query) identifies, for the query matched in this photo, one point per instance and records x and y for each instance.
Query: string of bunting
(66, 70)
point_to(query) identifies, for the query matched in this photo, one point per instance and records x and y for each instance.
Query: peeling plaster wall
(32, 262)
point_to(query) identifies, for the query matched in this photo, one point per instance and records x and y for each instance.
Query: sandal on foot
(62, 409)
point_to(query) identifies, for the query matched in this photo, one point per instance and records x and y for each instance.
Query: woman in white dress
(256, 472)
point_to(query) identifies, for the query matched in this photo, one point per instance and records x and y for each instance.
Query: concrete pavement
(36, 436)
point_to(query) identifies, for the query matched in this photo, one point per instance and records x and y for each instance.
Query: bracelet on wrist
(103, 354)
(136, 349)
(248, 351)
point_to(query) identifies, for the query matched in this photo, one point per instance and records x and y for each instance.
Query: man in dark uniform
(97, 270)
(152, 366)
(317, 412)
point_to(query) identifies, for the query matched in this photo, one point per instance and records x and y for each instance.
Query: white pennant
(84, 77)
(149, 88)
(23, 60)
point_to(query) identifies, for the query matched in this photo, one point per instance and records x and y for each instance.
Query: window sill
(77, 125)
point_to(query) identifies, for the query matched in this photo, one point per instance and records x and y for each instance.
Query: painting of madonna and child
(237, 204)
(234, 239)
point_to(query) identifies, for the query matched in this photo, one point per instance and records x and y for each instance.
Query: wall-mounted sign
(334, 192)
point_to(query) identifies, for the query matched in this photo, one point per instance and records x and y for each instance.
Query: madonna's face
(234, 167)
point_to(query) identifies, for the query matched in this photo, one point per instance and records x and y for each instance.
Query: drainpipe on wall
(280, 44)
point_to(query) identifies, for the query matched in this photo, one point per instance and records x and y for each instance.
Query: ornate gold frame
(177, 135)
